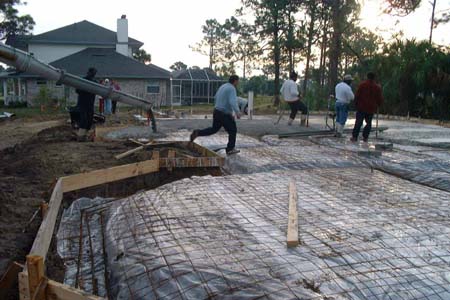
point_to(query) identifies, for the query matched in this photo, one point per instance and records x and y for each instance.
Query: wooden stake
(155, 155)
(170, 162)
(35, 267)
(292, 232)
(44, 208)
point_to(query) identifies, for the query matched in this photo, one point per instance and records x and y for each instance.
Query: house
(75, 48)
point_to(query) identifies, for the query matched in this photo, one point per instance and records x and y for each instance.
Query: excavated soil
(30, 168)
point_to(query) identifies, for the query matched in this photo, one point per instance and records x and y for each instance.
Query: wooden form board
(292, 231)
(84, 180)
(44, 236)
(54, 290)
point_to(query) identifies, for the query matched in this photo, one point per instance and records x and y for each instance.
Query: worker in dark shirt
(368, 99)
(85, 105)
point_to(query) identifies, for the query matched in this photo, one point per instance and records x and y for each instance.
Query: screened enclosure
(194, 86)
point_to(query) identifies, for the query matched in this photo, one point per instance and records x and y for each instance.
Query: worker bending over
(225, 104)
(290, 93)
(85, 105)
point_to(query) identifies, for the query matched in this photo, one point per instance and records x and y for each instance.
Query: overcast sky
(168, 27)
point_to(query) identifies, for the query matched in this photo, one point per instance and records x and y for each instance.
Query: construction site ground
(34, 153)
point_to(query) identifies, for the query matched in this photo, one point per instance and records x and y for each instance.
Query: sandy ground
(15, 131)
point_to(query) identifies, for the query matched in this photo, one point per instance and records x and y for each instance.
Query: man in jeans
(344, 96)
(367, 99)
(290, 93)
(85, 105)
(225, 105)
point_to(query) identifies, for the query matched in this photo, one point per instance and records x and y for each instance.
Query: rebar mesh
(364, 235)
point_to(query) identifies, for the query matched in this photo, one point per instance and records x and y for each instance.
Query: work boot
(365, 140)
(194, 135)
(354, 140)
(290, 122)
(233, 151)
(303, 121)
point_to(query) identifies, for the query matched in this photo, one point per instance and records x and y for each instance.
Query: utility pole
(432, 20)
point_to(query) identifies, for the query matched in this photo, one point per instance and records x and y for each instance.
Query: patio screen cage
(194, 86)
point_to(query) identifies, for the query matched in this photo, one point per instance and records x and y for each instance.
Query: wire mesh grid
(406, 162)
(364, 235)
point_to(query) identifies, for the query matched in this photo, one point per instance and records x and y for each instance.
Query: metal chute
(25, 62)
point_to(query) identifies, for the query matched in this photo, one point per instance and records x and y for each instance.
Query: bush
(44, 97)
(17, 104)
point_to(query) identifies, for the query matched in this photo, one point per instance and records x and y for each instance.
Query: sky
(168, 27)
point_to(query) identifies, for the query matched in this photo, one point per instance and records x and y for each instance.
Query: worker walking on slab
(368, 99)
(344, 95)
(85, 105)
(225, 105)
(289, 91)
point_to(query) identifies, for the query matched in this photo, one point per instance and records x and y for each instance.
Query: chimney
(122, 36)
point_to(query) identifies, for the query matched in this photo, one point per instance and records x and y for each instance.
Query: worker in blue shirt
(225, 105)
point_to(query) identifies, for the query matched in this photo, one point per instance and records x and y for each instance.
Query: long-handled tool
(329, 114)
(282, 110)
(376, 131)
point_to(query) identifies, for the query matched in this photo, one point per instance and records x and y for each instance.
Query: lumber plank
(59, 291)
(9, 278)
(24, 291)
(129, 152)
(136, 142)
(35, 268)
(202, 150)
(55, 291)
(292, 232)
(83, 180)
(44, 236)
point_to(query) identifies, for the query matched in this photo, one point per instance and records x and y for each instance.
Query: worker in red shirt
(368, 98)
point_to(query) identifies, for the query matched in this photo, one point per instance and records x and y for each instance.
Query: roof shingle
(108, 63)
(81, 33)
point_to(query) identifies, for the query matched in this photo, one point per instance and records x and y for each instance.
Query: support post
(292, 231)
(35, 268)
(170, 160)
(5, 91)
(250, 105)
(44, 208)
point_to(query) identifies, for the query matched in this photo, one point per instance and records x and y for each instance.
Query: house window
(41, 82)
(153, 87)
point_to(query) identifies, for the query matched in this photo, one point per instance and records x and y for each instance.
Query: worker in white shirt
(344, 95)
(290, 93)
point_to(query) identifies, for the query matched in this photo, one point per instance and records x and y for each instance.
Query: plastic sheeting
(363, 234)
(81, 244)
(428, 167)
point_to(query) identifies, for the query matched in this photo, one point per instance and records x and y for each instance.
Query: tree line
(325, 36)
